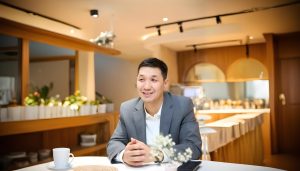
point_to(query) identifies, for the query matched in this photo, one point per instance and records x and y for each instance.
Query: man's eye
(154, 80)
(141, 79)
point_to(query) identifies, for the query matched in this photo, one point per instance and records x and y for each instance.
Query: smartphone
(192, 165)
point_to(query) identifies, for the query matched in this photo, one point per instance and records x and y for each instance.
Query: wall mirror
(52, 64)
(9, 69)
(48, 64)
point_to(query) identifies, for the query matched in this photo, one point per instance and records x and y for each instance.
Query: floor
(283, 161)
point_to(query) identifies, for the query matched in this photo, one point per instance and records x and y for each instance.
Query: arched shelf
(246, 69)
(204, 72)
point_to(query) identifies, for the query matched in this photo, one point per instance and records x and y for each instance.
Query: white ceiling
(128, 19)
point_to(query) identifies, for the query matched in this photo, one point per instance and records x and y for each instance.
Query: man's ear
(166, 85)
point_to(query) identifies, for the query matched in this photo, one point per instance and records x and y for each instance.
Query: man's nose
(147, 85)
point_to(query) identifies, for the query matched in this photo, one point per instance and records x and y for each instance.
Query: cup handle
(72, 158)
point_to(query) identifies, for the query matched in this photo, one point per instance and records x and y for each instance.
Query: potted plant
(31, 105)
(109, 106)
(94, 105)
(73, 103)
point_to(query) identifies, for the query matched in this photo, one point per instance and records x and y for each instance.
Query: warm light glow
(72, 31)
(251, 37)
(165, 19)
(147, 36)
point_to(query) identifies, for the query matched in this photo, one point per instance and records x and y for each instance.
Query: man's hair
(155, 63)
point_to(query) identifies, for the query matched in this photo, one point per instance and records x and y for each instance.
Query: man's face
(150, 84)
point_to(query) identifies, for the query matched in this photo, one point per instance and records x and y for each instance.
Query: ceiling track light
(158, 30)
(180, 27)
(218, 17)
(94, 13)
(195, 48)
(247, 46)
(218, 20)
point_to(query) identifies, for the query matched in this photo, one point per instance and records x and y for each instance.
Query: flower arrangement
(94, 102)
(75, 101)
(54, 101)
(39, 96)
(165, 144)
(33, 99)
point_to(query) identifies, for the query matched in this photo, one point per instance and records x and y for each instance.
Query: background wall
(115, 78)
(169, 57)
(39, 72)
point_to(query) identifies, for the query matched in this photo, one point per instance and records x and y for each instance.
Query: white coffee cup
(61, 157)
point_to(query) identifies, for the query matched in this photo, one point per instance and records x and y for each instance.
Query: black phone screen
(189, 166)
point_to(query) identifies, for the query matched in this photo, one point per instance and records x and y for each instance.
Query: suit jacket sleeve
(118, 140)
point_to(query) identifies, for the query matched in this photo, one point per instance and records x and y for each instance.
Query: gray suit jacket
(177, 119)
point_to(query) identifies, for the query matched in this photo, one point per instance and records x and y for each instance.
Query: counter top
(222, 111)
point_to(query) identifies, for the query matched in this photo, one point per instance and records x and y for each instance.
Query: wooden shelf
(30, 126)
(81, 151)
(34, 135)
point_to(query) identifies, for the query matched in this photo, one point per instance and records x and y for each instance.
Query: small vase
(93, 109)
(31, 112)
(14, 113)
(101, 108)
(84, 110)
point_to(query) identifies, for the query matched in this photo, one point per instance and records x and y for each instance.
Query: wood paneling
(271, 55)
(221, 57)
(24, 69)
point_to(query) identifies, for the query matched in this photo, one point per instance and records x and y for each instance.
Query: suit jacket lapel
(139, 119)
(166, 114)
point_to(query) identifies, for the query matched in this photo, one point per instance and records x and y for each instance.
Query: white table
(205, 166)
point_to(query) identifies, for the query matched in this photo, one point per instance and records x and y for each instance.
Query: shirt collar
(155, 116)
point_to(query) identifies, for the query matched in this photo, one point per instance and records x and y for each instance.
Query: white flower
(165, 144)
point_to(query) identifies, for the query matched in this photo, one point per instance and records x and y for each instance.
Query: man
(154, 112)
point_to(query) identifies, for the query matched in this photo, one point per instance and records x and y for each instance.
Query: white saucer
(51, 166)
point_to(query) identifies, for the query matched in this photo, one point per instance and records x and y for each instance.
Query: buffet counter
(239, 138)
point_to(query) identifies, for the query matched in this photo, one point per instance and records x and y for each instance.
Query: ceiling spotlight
(180, 27)
(94, 13)
(158, 30)
(218, 20)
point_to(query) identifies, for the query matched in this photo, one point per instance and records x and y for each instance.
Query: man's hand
(137, 153)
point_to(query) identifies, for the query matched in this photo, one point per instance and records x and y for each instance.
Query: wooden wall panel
(288, 45)
(222, 57)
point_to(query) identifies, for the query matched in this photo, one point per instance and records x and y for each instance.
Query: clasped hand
(137, 153)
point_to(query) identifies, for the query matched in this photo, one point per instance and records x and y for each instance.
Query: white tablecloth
(230, 128)
(205, 166)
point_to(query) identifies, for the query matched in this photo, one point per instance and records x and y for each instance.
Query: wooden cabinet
(34, 135)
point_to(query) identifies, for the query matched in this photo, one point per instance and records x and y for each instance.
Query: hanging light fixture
(180, 27)
(158, 30)
(218, 20)
(195, 48)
